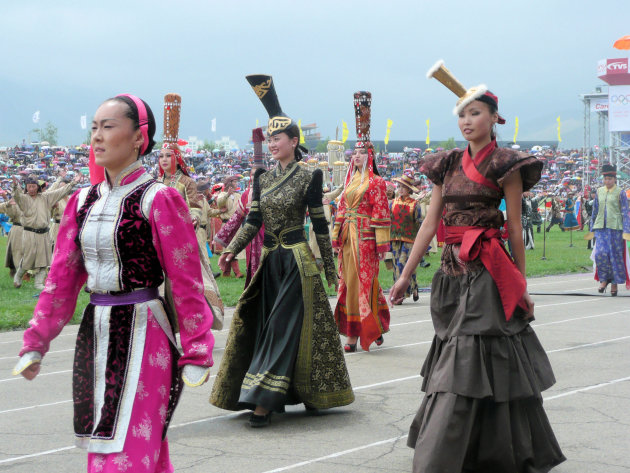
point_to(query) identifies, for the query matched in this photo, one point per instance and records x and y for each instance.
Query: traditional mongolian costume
(14, 242)
(57, 211)
(122, 237)
(179, 179)
(570, 221)
(486, 370)
(361, 233)
(224, 237)
(610, 224)
(406, 215)
(36, 248)
(283, 346)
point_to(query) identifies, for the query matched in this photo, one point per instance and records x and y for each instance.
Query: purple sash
(135, 297)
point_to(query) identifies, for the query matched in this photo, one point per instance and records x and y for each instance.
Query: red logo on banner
(617, 66)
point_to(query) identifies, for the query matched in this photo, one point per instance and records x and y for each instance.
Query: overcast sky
(65, 57)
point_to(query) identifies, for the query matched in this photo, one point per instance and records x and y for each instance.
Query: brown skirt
(483, 379)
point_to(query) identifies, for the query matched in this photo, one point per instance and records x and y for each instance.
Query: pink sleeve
(179, 255)
(58, 300)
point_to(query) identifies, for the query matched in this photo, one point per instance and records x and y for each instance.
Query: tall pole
(545, 234)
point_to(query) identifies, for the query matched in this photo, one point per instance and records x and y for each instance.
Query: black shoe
(379, 341)
(259, 421)
(602, 289)
(311, 411)
(350, 347)
(424, 264)
(217, 274)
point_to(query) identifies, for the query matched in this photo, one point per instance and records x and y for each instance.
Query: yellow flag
(257, 123)
(389, 126)
(302, 140)
(559, 125)
(428, 140)
(344, 131)
(515, 129)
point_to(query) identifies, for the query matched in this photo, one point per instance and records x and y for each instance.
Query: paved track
(587, 338)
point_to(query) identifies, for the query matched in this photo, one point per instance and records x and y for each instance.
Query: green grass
(16, 305)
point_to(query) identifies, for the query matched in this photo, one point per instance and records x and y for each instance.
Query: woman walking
(361, 233)
(118, 236)
(486, 370)
(283, 347)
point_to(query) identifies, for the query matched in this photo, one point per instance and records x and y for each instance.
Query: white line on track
(36, 405)
(580, 318)
(345, 452)
(402, 437)
(15, 357)
(334, 455)
(589, 344)
(17, 378)
(47, 452)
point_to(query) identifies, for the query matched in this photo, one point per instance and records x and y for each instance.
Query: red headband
(143, 120)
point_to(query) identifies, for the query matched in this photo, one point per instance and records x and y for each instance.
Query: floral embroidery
(163, 411)
(146, 461)
(141, 393)
(181, 255)
(192, 323)
(162, 358)
(122, 462)
(156, 214)
(162, 390)
(98, 463)
(143, 430)
(199, 348)
(166, 230)
(50, 286)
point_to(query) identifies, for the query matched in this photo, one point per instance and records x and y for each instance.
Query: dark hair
(132, 114)
(493, 109)
(294, 132)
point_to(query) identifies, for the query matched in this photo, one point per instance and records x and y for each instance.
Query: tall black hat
(278, 120)
(609, 170)
(363, 116)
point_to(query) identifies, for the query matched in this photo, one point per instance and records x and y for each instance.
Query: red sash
(485, 244)
(470, 166)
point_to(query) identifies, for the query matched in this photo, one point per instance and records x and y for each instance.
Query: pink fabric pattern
(179, 256)
(67, 275)
(144, 449)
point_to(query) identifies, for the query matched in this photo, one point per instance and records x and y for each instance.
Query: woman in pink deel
(120, 237)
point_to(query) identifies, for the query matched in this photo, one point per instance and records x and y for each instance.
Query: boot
(236, 269)
(17, 279)
(40, 276)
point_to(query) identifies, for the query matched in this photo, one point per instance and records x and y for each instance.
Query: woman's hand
(397, 292)
(32, 371)
(224, 260)
(530, 305)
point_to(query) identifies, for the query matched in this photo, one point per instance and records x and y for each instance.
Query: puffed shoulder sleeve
(508, 161)
(435, 165)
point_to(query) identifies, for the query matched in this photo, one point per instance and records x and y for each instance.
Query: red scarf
(469, 165)
(485, 244)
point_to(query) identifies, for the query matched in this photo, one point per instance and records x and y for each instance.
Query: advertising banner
(599, 105)
(619, 108)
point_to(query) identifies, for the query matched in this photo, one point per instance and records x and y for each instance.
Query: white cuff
(194, 375)
(26, 360)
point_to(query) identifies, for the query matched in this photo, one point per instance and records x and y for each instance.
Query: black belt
(57, 220)
(290, 236)
(36, 230)
(17, 224)
(202, 226)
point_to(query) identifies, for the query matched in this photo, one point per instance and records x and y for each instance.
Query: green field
(16, 305)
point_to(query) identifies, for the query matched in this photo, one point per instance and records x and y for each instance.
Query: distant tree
(322, 146)
(208, 145)
(448, 144)
(50, 134)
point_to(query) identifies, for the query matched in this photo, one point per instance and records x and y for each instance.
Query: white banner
(619, 108)
(214, 124)
(599, 105)
(36, 117)
(83, 122)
